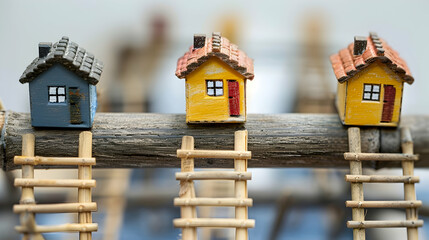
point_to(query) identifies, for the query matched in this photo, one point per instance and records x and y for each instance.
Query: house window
(371, 92)
(214, 87)
(57, 94)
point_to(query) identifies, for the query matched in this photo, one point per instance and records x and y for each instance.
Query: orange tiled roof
(220, 47)
(346, 65)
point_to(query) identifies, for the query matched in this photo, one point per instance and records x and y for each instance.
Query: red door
(388, 103)
(234, 98)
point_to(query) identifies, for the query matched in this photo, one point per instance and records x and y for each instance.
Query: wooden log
(214, 222)
(281, 140)
(380, 157)
(70, 227)
(26, 182)
(383, 204)
(37, 160)
(214, 175)
(384, 224)
(382, 179)
(55, 208)
(214, 154)
(219, 202)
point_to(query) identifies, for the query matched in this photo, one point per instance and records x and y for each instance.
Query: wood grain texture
(150, 140)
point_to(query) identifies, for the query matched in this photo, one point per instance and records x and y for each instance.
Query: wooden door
(388, 103)
(234, 98)
(74, 102)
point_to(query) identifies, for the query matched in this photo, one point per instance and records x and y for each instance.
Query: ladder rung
(214, 222)
(55, 208)
(209, 175)
(72, 227)
(37, 160)
(382, 179)
(214, 154)
(30, 182)
(383, 204)
(227, 202)
(384, 224)
(380, 157)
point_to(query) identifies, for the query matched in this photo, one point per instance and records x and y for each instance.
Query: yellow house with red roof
(371, 78)
(216, 72)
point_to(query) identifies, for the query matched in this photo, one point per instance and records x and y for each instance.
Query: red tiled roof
(220, 47)
(346, 65)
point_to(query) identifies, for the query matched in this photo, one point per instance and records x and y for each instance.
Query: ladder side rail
(240, 165)
(409, 188)
(85, 173)
(356, 188)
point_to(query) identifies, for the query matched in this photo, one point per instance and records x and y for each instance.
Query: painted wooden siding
(203, 108)
(368, 113)
(45, 114)
(341, 100)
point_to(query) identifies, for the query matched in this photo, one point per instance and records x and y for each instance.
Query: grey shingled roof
(71, 56)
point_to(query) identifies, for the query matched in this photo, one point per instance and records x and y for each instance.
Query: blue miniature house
(62, 85)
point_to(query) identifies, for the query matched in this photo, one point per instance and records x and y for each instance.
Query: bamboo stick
(380, 157)
(214, 222)
(214, 154)
(63, 161)
(221, 202)
(71, 227)
(85, 173)
(356, 188)
(28, 220)
(187, 190)
(240, 144)
(214, 175)
(409, 189)
(55, 208)
(25, 182)
(382, 179)
(384, 224)
(383, 204)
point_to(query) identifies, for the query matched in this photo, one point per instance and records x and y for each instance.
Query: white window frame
(56, 94)
(371, 92)
(214, 87)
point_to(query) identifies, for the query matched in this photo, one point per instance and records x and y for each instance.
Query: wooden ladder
(188, 201)
(356, 179)
(28, 207)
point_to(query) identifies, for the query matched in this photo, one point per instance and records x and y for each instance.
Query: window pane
(61, 91)
(367, 88)
(219, 91)
(210, 91)
(219, 84)
(52, 99)
(376, 88)
(52, 90)
(209, 83)
(367, 96)
(61, 99)
(375, 96)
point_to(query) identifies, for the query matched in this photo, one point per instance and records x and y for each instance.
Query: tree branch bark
(124, 140)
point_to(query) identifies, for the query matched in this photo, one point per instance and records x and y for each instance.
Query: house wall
(341, 99)
(203, 108)
(368, 113)
(45, 114)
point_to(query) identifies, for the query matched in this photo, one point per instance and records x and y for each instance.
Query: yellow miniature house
(371, 78)
(216, 73)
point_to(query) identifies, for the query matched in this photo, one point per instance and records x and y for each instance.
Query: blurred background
(140, 42)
